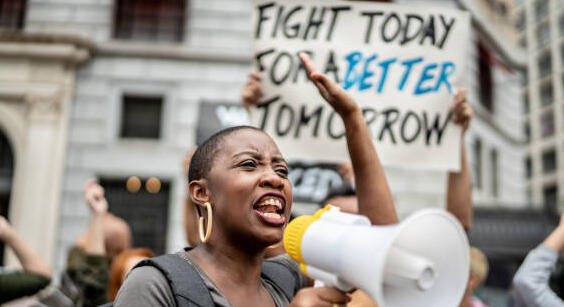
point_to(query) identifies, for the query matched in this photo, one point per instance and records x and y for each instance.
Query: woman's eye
(282, 171)
(248, 164)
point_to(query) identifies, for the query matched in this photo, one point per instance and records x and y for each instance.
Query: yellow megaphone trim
(294, 234)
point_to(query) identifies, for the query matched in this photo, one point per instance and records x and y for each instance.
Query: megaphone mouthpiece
(407, 270)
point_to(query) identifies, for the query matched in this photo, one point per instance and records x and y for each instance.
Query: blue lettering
(366, 74)
(384, 65)
(425, 76)
(447, 70)
(351, 76)
(408, 65)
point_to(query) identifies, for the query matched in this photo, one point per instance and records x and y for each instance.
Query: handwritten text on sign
(401, 64)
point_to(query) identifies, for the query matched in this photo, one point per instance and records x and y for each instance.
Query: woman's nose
(272, 180)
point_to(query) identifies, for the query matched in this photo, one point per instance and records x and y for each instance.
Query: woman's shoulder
(274, 269)
(145, 286)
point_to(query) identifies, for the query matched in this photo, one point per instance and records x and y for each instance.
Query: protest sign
(402, 64)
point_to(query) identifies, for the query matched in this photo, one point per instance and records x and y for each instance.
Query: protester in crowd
(122, 264)
(478, 273)
(530, 283)
(240, 175)
(85, 280)
(35, 274)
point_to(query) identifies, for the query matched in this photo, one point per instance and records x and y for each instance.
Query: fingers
(254, 75)
(253, 91)
(459, 99)
(332, 295)
(308, 65)
(319, 80)
(93, 191)
(322, 296)
(462, 113)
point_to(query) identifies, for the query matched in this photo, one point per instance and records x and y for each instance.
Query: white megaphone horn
(423, 261)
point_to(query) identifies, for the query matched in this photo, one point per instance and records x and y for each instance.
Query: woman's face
(249, 188)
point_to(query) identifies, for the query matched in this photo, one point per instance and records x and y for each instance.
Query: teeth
(273, 202)
(272, 215)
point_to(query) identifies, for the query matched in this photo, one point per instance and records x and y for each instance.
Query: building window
(527, 132)
(547, 123)
(485, 77)
(550, 197)
(528, 167)
(543, 35)
(155, 20)
(145, 209)
(495, 172)
(546, 94)
(141, 117)
(541, 9)
(12, 14)
(549, 161)
(477, 153)
(544, 63)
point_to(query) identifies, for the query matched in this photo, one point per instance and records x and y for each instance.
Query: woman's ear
(198, 192)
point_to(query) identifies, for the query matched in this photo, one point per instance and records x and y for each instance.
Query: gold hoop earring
(206, 237)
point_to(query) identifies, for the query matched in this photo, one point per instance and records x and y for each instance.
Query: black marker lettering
(283, 131)
(266, 106)
(406, 35)
(305, 119)
(435, 127)
(314, 23)
(330, 132)
(336, 11)
(448, 27)
(370, 16)
(392, 16)
(391, 116)
(403, 129)
(261, 17)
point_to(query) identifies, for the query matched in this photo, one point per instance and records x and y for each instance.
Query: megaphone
(423, 261)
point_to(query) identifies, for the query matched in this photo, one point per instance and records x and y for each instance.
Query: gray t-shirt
(147, 286)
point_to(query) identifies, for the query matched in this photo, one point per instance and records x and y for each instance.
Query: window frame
(119, 29)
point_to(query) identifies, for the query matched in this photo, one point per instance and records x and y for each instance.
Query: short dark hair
(203, 158)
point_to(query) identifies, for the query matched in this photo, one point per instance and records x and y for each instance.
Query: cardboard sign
(402, 64)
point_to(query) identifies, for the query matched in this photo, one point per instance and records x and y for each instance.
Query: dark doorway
(146, 213)
(6, 173)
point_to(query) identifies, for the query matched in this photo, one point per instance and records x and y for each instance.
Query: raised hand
(337, 97)
(94, 196)
(374, 197)
(252, 92)
(462, 113)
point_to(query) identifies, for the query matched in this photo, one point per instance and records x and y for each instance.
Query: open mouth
(270, 208)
